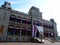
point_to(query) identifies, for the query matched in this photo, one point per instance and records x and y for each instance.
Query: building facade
(18, 26)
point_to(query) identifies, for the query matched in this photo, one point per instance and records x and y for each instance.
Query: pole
(41, 37)
(31, 24)
(30, 13)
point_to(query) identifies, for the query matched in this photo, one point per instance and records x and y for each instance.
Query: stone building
(18, 26)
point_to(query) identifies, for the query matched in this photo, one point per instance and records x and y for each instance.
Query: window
(29, 22)
(23, 32)
(37, 24)
(51, 27)
(10, 31)
(19, 20)
(46, 26)
(12, 18)
(24, 21)
(40, 24)
(28, 33)
(17, 32)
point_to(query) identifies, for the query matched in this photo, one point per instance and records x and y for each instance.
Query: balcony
(12, 18)
(18, 19)
(37, 23)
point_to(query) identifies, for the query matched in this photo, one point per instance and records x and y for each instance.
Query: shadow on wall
(1, 28)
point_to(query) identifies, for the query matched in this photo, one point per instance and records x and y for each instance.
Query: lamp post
(52, 36)
(30, 13)
(41, 36)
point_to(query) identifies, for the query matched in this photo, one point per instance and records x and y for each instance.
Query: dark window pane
(37, 24)
(28, 33)
(10, 31)
(40, 24)
(24, 21)
(12, 19)
(23, 32)
(17, 32)
(18, 20)
(45, 26)
(29, 22)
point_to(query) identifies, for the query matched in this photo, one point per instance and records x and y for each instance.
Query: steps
(46, 41)
(38, 40)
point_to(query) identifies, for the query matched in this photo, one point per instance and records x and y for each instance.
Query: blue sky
(49, 8)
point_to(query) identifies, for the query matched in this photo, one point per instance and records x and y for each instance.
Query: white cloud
(25, 10)
(14, 2)
(52, 10)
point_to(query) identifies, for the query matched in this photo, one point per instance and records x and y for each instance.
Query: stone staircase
(38, 40)
(47, 41)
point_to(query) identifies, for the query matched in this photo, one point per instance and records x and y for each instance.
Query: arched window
(28, 21)
(17, 30)
(18, 19)
(28, 31)
(12, 18)
(10, 30)
(38, 23)
(24, 20)
(51, 27)
(45, 25)
(23, 31)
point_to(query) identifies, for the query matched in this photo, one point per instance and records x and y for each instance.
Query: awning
(11, 27)
(19, 17)
(28, 29)
(22, 28)
(24, 19)
(28, 20)
(13, 16)
(17, 28)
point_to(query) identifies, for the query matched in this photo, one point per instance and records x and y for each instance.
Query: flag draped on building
(35, 29)
(32, 31)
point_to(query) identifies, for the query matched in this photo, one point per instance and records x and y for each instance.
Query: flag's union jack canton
(35, 29)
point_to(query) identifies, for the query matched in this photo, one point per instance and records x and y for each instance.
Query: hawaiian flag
(34, 31)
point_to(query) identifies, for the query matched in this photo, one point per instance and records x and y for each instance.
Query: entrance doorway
(37, 34)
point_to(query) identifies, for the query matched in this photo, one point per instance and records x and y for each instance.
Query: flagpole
(32, 24)
(32, 31)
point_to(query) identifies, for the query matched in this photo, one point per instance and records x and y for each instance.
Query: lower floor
(23, 34)
(23, 38)
(18, 37)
